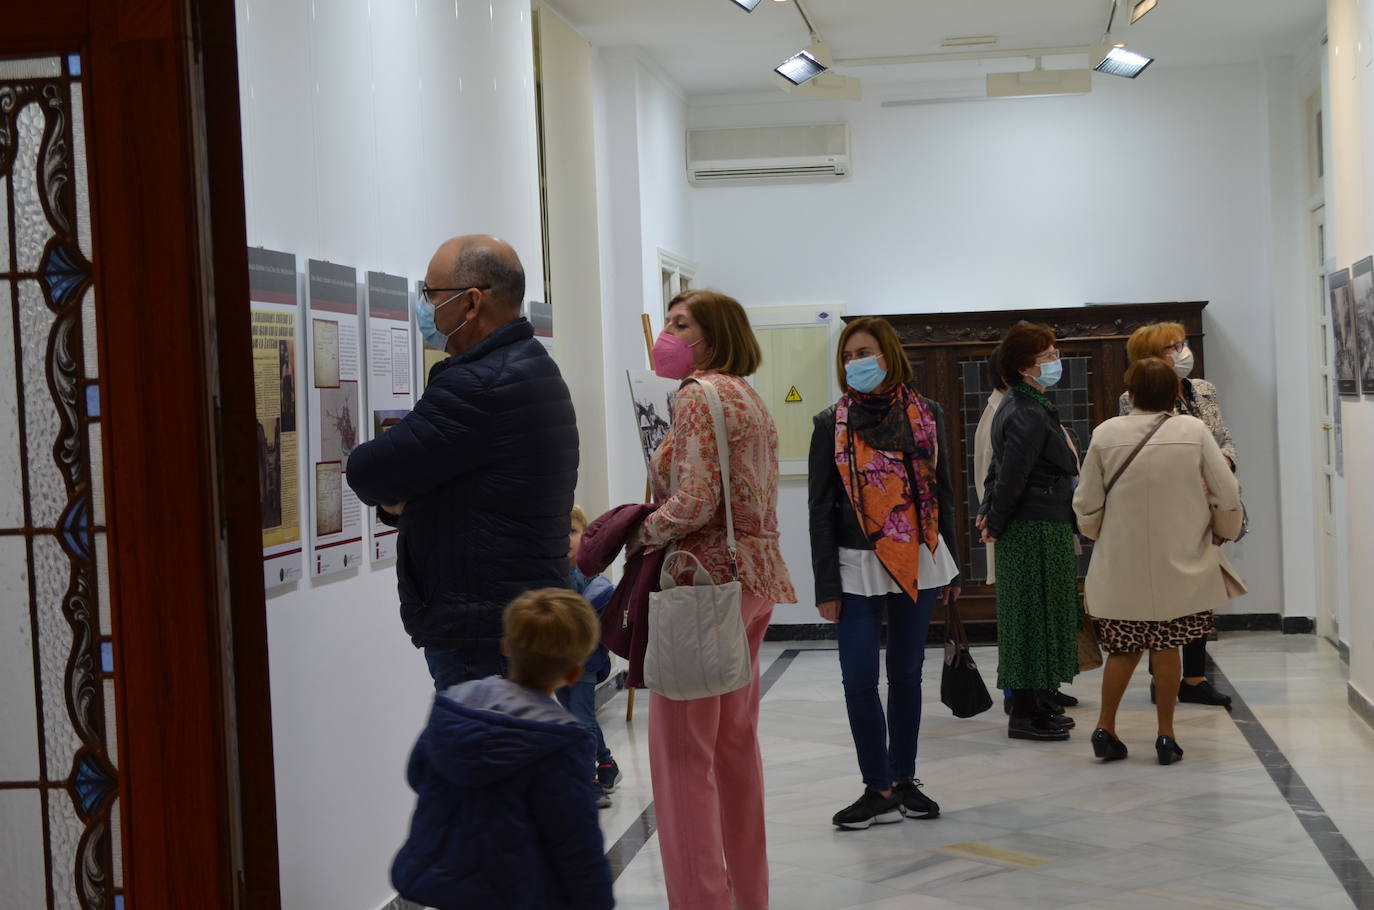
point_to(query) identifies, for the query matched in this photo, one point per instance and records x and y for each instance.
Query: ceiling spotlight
(1118, 61)
(746, 5)
(1140, 8)
(800, 67)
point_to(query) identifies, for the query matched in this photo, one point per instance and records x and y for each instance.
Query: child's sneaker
(608, 774)
(603, 796)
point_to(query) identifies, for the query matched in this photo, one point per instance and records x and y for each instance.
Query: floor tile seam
(1353, 874)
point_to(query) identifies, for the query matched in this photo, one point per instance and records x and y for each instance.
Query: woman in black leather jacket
(1028, 511)
(882, 539)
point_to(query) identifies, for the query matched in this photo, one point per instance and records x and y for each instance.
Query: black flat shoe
(1063, 700)
(1062, 721)
(1107, 747)
(1203, 694)
(1168, 750)
(1036, 728)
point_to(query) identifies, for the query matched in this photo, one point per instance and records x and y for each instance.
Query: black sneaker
(869, 809)
(912, 802)
(603, 797)
(1203, 694)
(1035, 728)
(608, 775)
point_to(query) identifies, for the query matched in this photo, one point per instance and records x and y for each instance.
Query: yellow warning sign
(793, 394)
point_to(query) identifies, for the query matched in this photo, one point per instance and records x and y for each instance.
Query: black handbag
(962, 689)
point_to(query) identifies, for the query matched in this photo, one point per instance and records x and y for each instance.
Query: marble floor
(1272, 806)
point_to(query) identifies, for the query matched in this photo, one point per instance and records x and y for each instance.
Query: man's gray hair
(483, 267)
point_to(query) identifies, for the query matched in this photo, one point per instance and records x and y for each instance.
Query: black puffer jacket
(1030, 477)
(486, 465)
(833, 522)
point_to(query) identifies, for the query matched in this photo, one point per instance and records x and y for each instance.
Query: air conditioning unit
(768, 154)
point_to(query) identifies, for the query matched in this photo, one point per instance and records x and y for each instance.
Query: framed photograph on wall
(1362, 284)
(1343, 331)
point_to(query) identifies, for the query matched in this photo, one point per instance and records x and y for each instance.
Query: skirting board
(984, 632)
(1359, 704)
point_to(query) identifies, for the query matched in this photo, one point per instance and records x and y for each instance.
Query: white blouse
(862, 572)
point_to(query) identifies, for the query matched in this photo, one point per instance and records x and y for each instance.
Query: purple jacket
(625, 618)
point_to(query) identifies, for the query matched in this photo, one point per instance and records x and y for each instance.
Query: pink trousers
(708, 790)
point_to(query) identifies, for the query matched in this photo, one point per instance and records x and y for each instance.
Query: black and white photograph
(1362, 281)
(1343, 332)
(652, 397)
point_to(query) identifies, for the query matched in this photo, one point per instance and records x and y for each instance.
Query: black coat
(486, 465)
(1030, 477)
(833, 522)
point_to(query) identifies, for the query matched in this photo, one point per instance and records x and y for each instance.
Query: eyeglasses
(426, 290)
(1049, 356)
(1178, 348)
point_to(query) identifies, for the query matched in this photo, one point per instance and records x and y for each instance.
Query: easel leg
(629, 705)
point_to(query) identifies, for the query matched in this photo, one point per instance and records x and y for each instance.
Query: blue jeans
(451, 666)
(580, 700)
(886, 745)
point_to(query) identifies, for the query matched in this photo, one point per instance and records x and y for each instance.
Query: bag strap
(955, 633)
(723, 453)
(1134, 452)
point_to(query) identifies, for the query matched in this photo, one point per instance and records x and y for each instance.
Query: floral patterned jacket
(692, 513)
(1200, 400)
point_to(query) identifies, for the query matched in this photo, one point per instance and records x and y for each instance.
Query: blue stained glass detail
(65, 271)
(119, 902)
(93, 401)
(74, 64)
(91, 783)
(76, 527)
(107, 657)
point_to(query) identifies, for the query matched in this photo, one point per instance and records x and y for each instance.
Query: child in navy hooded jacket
(506, 815)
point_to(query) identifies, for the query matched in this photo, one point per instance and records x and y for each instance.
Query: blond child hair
(549, 633)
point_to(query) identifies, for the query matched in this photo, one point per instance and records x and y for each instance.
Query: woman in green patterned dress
(1028, 513)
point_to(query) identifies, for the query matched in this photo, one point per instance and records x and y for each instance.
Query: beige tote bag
(697, 647)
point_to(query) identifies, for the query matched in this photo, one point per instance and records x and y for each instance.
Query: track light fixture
(746, 5)
(800, 67)
(1140, 8)
(1118, 61)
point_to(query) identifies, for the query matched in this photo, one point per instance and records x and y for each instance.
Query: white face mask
(1183, 363)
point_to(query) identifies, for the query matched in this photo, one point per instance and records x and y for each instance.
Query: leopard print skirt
(1125, 636)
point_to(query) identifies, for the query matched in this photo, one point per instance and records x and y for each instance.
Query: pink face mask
(673, 357)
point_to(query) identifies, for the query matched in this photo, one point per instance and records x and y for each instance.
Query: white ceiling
(714, 47)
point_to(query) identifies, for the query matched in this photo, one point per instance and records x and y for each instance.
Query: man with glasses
(479, 477)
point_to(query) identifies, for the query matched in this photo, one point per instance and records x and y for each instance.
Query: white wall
(1156, 189)
(1351, 204)
(372, 132)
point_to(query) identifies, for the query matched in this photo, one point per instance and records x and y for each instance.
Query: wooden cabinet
(949, 353)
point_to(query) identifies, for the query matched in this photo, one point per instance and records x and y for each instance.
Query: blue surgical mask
(1050, 373)
(863, 374)
(424, 317)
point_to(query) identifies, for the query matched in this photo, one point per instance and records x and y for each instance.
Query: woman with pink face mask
(704, 753)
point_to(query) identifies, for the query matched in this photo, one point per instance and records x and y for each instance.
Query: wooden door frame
(189, 623)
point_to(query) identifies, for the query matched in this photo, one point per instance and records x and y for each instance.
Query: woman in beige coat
(1157, 570)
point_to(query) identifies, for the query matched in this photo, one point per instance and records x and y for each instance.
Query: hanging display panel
(335, 412)
(390, 374)
(1345, 343)
(272, 291)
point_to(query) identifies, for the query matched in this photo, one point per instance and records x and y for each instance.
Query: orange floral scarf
(879, 485)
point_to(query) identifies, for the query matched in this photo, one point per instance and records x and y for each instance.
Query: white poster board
(275, 316)
(651, 397)
(390, 376)
(335, 414)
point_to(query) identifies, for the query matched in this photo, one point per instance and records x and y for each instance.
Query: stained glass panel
(58, 783)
